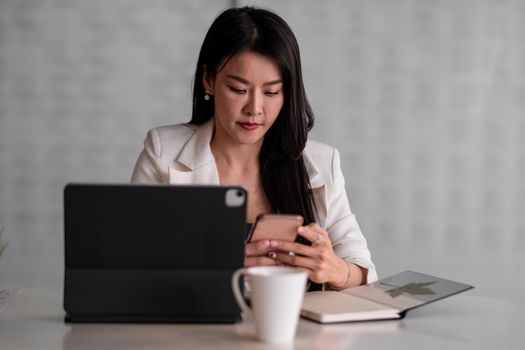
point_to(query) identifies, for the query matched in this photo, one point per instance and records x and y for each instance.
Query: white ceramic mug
(276, 298)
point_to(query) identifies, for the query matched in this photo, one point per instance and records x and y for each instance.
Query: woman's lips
(249, 126)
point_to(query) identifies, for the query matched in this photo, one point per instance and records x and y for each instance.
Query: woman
(249, 127)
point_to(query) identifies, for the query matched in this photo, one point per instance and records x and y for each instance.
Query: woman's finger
(313, 232)
(257, 248)
(297, 248)
(296, 261)
(260, 261)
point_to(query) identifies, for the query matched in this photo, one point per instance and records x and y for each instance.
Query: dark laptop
(141, 253)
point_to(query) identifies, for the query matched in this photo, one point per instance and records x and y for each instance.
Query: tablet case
(144, 253)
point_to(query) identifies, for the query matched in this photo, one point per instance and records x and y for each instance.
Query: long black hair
(283, 173)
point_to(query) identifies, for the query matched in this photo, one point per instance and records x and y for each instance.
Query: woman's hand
(319, 259)
(257, 253)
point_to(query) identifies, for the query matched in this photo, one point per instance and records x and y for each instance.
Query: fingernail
(272, 255)
(273, 243)
(266, 243)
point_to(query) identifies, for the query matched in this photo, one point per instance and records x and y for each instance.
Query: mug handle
(237, 291)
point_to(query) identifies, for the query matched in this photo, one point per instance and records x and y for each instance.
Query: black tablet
(152, 253)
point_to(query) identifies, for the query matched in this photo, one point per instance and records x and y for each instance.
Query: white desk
(34, 321)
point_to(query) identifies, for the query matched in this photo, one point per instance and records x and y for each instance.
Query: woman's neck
(238, 157)
(238, 164)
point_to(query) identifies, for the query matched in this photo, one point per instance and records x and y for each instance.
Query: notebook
(388, 298)
(144, 253)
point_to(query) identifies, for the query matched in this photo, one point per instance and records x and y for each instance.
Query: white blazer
(181, 154)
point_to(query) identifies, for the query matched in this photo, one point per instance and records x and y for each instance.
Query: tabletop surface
(34, 320)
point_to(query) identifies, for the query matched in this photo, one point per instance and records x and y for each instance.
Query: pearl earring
(207, 96)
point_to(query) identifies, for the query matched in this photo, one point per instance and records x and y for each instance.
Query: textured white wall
(80, 84)
(426, 102)
(424, 99)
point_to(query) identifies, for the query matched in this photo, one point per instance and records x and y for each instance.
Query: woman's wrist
(343, 283)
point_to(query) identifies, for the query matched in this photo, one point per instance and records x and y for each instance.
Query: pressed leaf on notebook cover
(410, 288)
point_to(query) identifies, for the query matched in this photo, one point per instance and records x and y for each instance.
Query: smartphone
(275, 226)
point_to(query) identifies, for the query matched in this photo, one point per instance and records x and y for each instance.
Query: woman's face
(248, 94)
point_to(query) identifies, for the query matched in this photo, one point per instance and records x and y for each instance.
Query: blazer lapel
(196, 156)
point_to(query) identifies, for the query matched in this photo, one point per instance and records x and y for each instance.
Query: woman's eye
(237, 91)
(271, 93)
